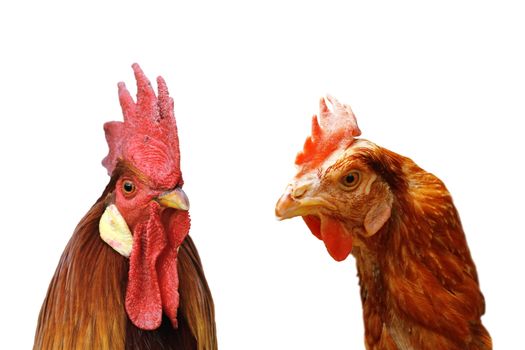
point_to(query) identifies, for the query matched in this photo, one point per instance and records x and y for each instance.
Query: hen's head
(146, 218)
(337, 189)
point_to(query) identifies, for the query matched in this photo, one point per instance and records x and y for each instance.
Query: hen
(419, 286)
(159, 297)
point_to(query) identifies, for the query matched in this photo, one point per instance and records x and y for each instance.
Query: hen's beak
(175, 199)
(296, 201)
(303, 199)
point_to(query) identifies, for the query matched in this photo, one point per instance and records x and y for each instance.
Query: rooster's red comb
(333, 129)
(147, 139)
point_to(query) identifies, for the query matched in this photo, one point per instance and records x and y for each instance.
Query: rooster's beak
(175, 199)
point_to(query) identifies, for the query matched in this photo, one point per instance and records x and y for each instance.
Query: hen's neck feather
(419, 285)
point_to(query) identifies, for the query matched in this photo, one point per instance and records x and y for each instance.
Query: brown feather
(84, 305)
(419, 285)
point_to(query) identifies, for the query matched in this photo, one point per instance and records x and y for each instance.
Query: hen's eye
(351, 180)
(128, 187)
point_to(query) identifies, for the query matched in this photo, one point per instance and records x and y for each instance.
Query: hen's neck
(419, 286)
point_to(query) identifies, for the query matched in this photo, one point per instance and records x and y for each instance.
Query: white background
(443, 84)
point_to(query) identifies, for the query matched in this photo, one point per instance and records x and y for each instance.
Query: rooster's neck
(83, 308)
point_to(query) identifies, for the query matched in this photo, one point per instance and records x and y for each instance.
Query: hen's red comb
(333, 129)
(147, 138)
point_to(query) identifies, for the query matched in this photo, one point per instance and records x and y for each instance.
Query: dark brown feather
(84, 306)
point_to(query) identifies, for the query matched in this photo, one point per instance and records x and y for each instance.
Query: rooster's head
(146, 218)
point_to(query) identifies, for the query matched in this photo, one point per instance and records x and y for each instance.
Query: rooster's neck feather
(85, 295)
(84, 305)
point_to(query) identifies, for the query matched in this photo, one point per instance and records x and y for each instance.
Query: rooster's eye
(128, 187)
(351, 180)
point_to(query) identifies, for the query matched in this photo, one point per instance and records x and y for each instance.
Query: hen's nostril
(299, 192)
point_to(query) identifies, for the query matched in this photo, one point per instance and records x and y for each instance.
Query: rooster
(159, 297)
(419, 286)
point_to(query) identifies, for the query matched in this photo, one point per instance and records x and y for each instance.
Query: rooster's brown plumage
(130, 276)
(84, 306)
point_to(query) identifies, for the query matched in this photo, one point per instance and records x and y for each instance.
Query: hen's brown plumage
(84, 306)
(419, 285)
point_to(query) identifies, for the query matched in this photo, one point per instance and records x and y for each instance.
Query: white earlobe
(115, 231)
(377, 216)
